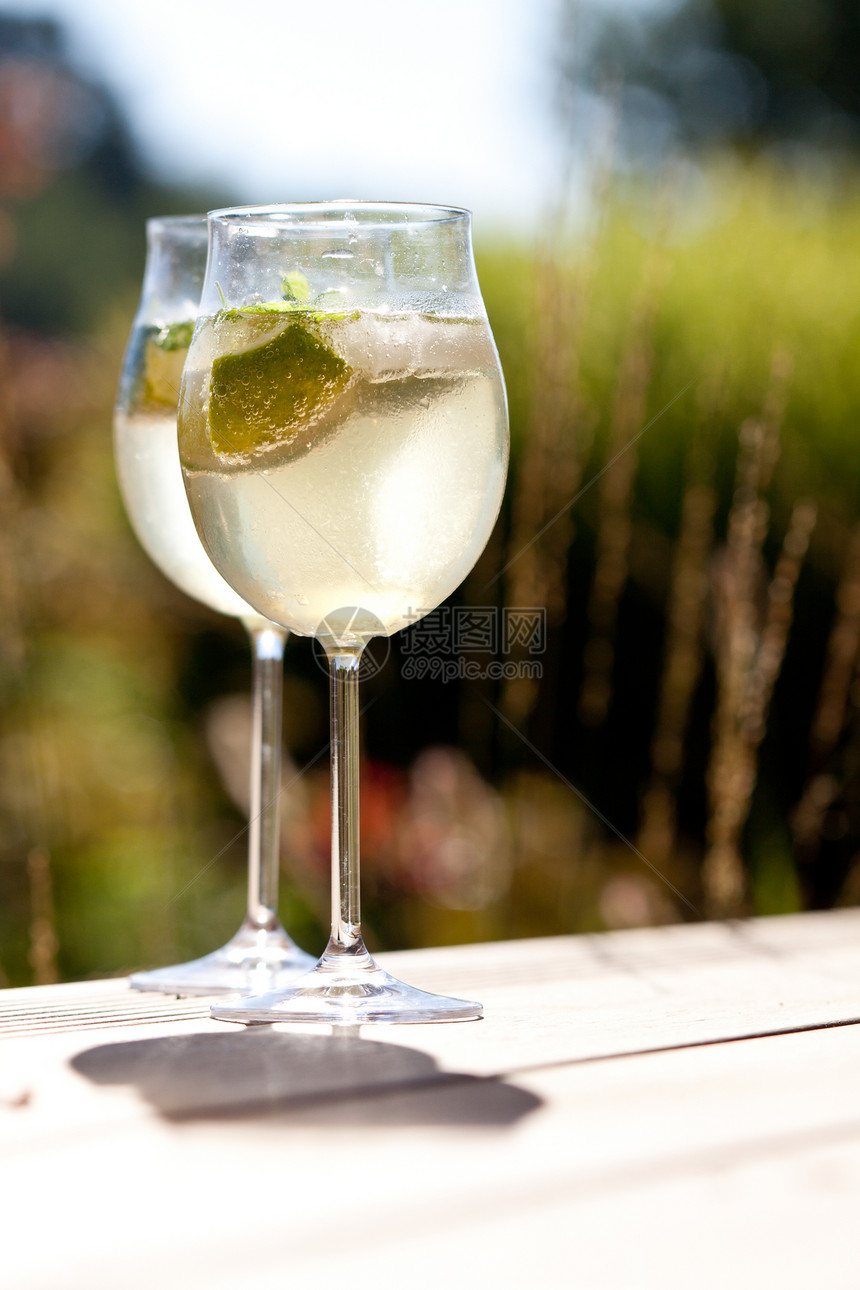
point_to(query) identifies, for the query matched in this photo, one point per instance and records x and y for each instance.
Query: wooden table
(602, 1127)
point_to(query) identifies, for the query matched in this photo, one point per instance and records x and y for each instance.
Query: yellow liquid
(382, 502)
(147, 461)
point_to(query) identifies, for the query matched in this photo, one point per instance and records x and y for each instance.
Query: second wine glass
(261, 954)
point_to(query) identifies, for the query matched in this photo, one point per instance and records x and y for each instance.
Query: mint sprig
(174, 336)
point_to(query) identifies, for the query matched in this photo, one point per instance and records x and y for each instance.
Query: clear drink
(147, 461)
(339, 459)
(343, 438)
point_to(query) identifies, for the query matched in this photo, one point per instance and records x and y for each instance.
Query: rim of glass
(301, 214)
(175, 223)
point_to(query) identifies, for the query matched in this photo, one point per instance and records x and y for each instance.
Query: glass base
(347, 990)
(256, 959)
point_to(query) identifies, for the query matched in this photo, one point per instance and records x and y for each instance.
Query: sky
(445, 101)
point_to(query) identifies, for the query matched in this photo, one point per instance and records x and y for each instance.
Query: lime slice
(164, 360)
(271, 394)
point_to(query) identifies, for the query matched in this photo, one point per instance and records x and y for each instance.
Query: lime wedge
(268, 395)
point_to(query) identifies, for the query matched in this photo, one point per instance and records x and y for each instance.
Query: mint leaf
(295, 287)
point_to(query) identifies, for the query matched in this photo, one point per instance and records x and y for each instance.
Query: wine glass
(147, 459)
(343, 437)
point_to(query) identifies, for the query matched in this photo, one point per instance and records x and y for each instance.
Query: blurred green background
(679, 332)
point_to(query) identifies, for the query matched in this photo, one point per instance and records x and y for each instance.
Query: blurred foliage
(709, 285)
(683, 503)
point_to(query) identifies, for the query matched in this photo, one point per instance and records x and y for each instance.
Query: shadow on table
(320, 1079)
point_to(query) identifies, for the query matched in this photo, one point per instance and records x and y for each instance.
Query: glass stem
(267, 644)
(345, 908)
